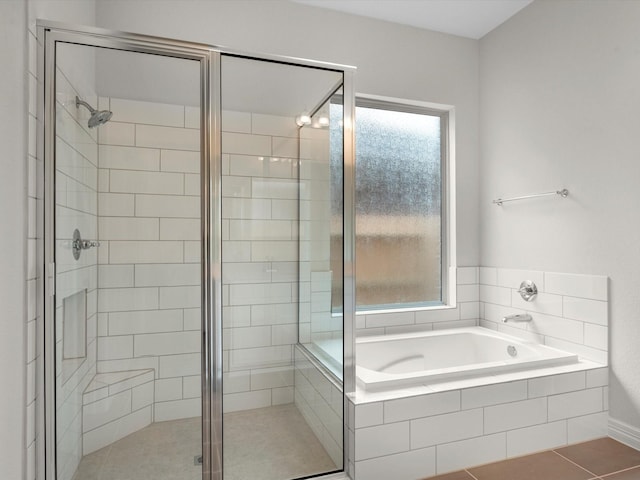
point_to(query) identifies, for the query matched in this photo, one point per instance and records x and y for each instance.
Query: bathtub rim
(367, 396)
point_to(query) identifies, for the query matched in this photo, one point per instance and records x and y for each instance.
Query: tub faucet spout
(517, 317)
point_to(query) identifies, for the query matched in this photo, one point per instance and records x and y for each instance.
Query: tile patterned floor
(601, 459)
(272, 443)
(265, 444)
(161, 451)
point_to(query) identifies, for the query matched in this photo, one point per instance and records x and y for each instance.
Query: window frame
(448, 265)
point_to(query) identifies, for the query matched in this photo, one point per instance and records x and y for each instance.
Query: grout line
(471, 474)
(620, 471)
(570, 461)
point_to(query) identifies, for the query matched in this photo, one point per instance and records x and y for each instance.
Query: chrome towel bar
(564, 193)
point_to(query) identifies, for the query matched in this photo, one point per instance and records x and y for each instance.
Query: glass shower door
(283, 410)
(128, 257)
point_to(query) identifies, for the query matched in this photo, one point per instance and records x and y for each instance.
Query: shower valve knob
(84, 244)
(78, 244)
(88, 244)
(528, 290)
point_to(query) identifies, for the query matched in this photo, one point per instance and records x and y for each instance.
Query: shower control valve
(528, 290)
(86, 244)
(78, 244)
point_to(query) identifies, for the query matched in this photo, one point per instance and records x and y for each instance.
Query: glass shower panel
(282, 410)
(128, 265)
(321, 233)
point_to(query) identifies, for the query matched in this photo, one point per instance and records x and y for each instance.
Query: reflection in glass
(323, 178)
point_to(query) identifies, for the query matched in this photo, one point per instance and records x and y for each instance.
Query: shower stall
(198, 246)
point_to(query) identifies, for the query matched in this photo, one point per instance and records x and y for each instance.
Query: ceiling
(466, 18)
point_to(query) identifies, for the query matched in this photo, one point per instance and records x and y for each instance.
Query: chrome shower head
(98, 117)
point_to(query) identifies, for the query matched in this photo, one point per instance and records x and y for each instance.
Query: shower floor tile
(161, 451)
(272, 443)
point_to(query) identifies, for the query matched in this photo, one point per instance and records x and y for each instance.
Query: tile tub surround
(570, 311)
(426, 434)
(320, 400)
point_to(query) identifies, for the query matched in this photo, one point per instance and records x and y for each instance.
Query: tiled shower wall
(318, 395)
(260, 255)
(149, 229)
(76, 207)
(150, 254)
(34, 408)
(316, 321)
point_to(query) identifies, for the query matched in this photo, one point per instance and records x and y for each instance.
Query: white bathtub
(429, 357)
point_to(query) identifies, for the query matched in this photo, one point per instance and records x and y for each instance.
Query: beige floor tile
(273, 443)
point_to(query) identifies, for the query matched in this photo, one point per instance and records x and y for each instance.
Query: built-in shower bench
(115, 405)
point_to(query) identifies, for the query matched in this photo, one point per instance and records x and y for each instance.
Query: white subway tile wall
(115, 405)
(485, 423)
(570, 311)
(321, 403)
(319, 320)
(442, 432)
(76, 203)
(149, 289)
(260, 255)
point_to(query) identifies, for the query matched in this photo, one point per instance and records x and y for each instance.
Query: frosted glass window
(399, 165)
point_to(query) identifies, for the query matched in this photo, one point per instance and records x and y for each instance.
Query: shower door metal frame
(49, 33)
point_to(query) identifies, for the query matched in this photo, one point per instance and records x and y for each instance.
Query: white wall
(392, 60)
(78, 12)
(13, 230)
(559, 108)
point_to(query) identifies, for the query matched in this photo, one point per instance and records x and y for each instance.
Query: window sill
(406, 309)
